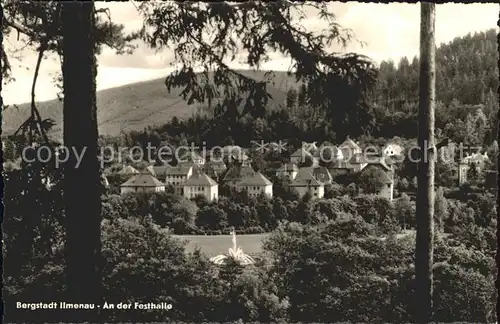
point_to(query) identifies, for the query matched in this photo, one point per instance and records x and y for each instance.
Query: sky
(387, 31)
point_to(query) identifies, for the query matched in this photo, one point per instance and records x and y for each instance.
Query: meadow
(251, 244)
(213, 245)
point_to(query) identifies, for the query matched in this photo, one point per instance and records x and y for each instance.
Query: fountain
(235, 252)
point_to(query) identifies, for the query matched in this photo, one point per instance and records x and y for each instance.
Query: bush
(379, 211)
(143, 263)
(360, 278)
(180, 226)
(251, 230)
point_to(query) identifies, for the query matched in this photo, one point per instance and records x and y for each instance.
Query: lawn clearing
(213, 245)
(251, 244)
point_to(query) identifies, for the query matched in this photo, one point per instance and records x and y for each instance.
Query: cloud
(392, 30)
(389, 31)
(142, 58)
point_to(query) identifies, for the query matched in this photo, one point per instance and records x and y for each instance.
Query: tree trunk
(81, 181)
(425, 192)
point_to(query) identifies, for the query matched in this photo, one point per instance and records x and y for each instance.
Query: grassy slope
(137, 105)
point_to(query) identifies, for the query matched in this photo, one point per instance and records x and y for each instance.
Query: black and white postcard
(249, 162)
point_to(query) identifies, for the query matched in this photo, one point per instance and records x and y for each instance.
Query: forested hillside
(467, 79)
(466, 85)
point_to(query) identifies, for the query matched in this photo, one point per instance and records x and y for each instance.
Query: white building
(200, 184)
(288, 170)
(215, 169)
(143, 182)
(322, 175)
(349, 148)
(192, 157)
(177, 175)
(305, 182)
(301, 155)
(238, 172)
(256, 184)
(386, 174)
(329, 153)
(158, 171)
(358, 161)
(392, 149)
(464, 166)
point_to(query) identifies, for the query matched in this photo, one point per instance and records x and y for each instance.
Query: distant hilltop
(138, 105)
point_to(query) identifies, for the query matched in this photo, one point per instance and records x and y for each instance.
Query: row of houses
(190, 180)
(347, 152)
(195, 176)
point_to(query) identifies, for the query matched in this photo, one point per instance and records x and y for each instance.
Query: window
(388, 185)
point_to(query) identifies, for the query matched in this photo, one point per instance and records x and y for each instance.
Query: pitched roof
(349, 143)
(305, 178)
(190, 156)
(214, 169)
(335, 151)
(234, 151)
(300, 153)
(142, 180)
(256, 179)
(311, 147)
(381, 163)
(200, 179)
(340, 165)
(238, 172)
(158, 170)
(392, 144)
(179, 169)
(215, 166)
(358, 158)
(322, 174)
(390, 160)
(128, 170)
(288, 167)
